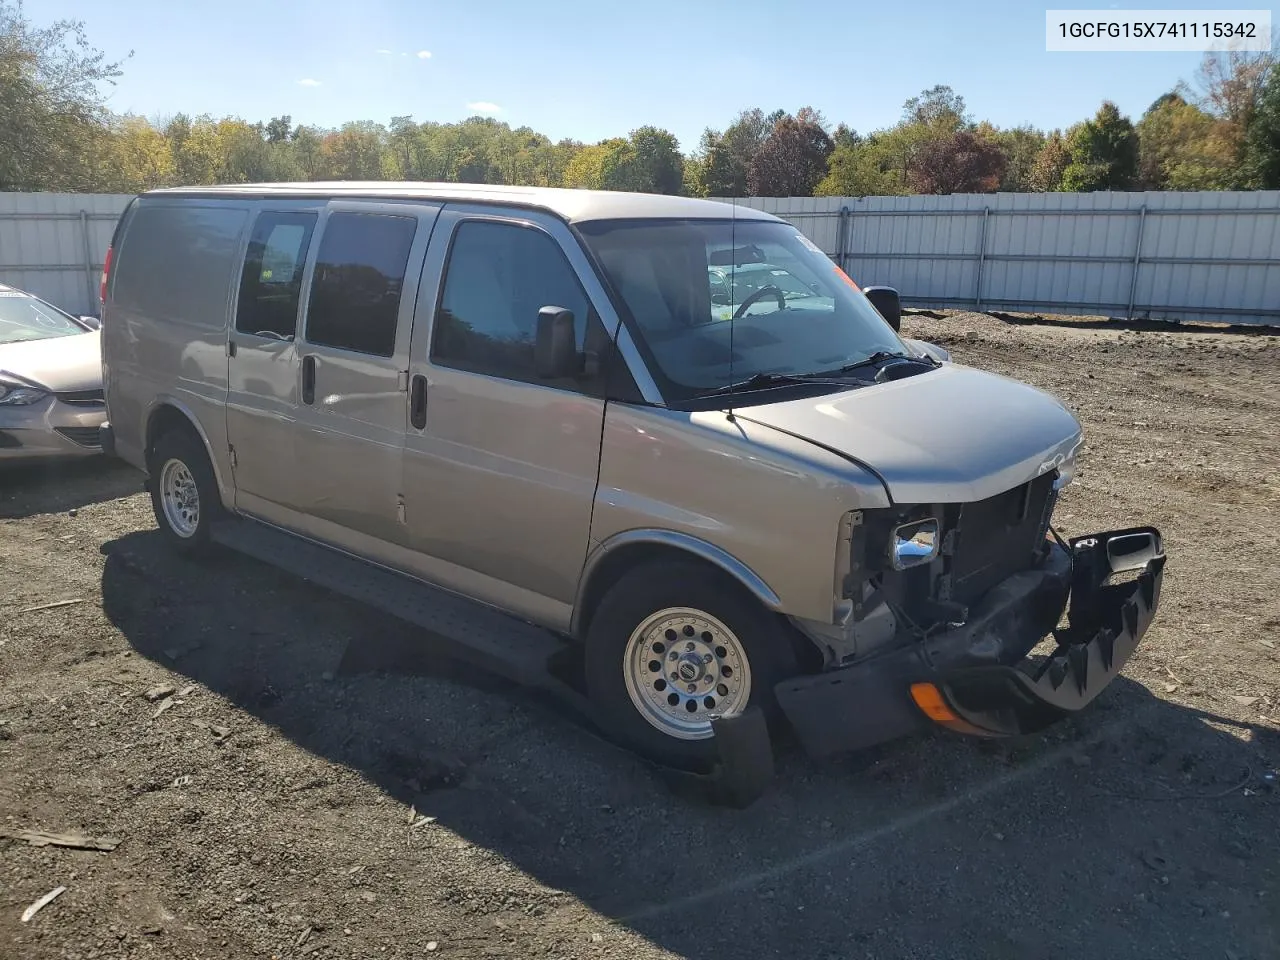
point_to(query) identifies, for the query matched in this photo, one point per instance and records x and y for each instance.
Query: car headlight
(914, 543)
(19, 394)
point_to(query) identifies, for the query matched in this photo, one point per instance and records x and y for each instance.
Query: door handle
(231, 348)
(418, 402)
(309, 378)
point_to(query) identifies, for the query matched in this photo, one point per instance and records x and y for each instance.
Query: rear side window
(176, 262)
(359, 276)
(271, 284)
(499, 276)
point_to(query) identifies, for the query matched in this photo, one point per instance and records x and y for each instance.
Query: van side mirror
(555, 348)
(93, 323)
(887, 302)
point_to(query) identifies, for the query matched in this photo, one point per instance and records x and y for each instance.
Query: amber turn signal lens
(929, 699)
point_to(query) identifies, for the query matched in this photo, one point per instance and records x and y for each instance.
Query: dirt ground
(274, 805)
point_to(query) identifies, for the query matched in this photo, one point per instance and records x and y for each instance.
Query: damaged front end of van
(976, 667)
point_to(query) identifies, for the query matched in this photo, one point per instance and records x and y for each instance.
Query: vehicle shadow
(55, 487)
(1141, 829)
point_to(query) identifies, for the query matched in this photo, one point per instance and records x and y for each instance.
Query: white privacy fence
(1176, 256)
(52, 244)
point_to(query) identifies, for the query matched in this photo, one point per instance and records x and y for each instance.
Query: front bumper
(979, 677)
(50, 429)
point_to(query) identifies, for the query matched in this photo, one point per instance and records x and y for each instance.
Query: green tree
(602, 166)
(1021, 147)
(1103, 151)
(1182, 147)
(730, 154)
(54, 123)
(939, 107)
(1262, 148)
(659, 168)
(866, 169)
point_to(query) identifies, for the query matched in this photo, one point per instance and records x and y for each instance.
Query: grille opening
(1000, 536)
(84, 436)
(83, 398)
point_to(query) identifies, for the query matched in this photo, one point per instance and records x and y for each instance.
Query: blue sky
(595, 69)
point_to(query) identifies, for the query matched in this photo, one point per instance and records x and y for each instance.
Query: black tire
(185, 448)
(655, 587)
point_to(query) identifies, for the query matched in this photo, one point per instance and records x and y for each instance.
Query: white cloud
(424, 54)
(308, 82)
(383, 53)
(484, 106)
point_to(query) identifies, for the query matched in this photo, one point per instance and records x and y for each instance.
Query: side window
(498, 277)
(359, 276)
(271, 283)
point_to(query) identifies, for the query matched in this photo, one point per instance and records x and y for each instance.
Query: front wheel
(673, 645)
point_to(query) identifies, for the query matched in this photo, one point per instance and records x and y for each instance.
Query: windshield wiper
(880, 356)
(761, 381)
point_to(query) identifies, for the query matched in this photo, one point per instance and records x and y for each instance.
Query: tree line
(1220, 131)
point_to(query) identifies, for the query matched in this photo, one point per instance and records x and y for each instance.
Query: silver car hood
(952, 435)
(57, 363)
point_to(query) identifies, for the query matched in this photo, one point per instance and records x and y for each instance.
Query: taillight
(106, 270)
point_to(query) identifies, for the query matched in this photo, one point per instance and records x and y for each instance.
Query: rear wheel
(184, 494)
(673, 645)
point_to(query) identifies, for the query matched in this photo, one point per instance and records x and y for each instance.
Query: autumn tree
(959, 163)
(1050, 164)
(792, 160)
(141, 157)
(1103, 151)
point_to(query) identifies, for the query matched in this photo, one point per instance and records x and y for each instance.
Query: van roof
(574, 206)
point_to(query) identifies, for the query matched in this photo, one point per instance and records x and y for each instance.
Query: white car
(51, 401)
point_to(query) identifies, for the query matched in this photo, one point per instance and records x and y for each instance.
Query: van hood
(952, 435)
(58, 364)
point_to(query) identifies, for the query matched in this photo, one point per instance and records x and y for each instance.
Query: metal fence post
(982, 257)
(842, 239)
(88, 261)
(1137, 260)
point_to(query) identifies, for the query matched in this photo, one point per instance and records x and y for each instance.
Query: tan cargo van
(669, 430)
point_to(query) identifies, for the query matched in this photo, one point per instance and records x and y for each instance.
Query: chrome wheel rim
(682, 668)
(180, 498)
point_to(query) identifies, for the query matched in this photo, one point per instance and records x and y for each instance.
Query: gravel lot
(273, 804)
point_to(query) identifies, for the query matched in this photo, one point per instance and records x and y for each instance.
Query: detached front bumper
(979, 678)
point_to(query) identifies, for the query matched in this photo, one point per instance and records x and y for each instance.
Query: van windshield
(697, 289)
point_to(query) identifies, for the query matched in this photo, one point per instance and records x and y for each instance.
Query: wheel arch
(167, 414)
(625, 551)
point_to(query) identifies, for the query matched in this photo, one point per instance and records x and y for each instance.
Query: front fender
(684, 542)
